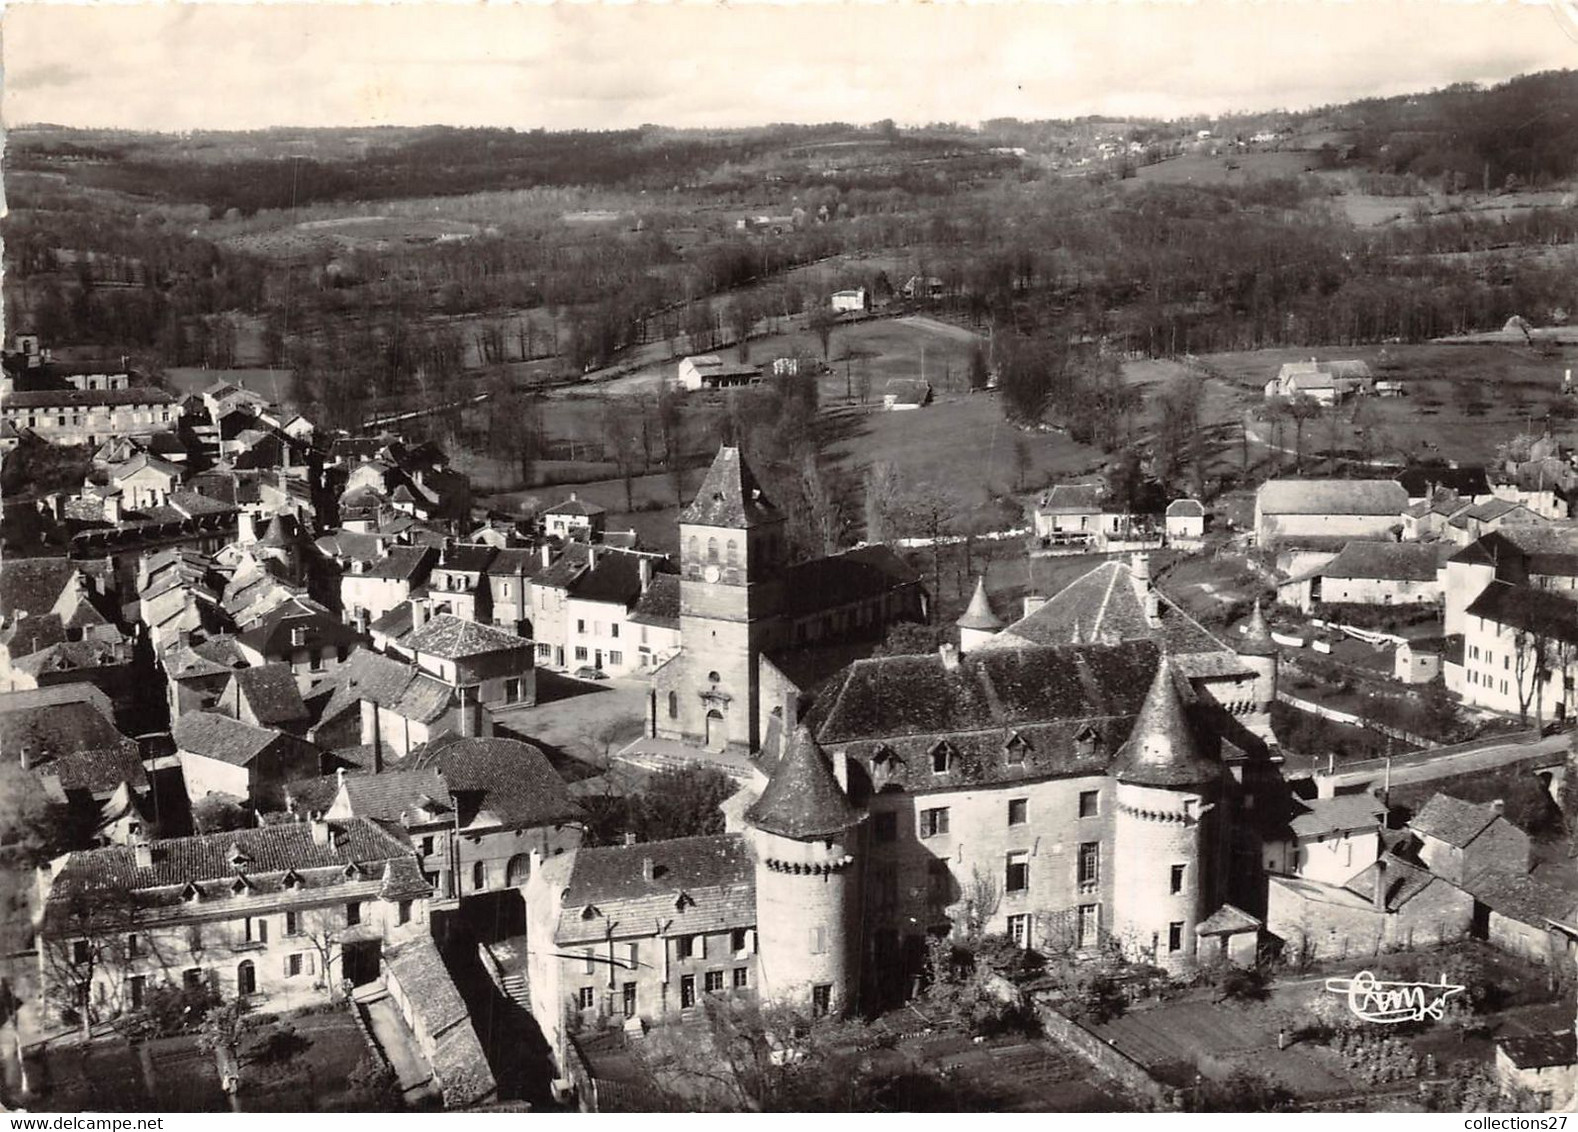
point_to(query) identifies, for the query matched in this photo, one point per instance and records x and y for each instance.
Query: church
(1084, 778)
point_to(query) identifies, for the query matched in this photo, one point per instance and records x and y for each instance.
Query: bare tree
(820, 320)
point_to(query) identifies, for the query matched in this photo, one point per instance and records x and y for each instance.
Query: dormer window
(292, 879)
(241, 886)
(352, 872)
(686, 900)
(941, 758)
(191, 893)
(590, 912)
(1014, 750)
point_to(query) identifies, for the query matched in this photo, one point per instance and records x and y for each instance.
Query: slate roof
(1527, 803)
(575, 506)
(68, 656)
(33, 634)
(1453, 820)
(715, 874)
(1404, 881)
(1541, 548)
(1186, 509)
(979, 615)
(1161, 749)
(392, 684)
(1523, 898)
(455, 1055)
(499, 782)
(1331, 497)
(616, 579)
(844, 579)
(1344, 813)
(272, 635)
(190, 504)
(466, 558)
(33, 585)
(1072, 499)
(219, 737)
(1540, 1051)
(1104, 605)
(1384, 561)
(205, 658)
(1543, 612)
(410, 797)
(403, 564)
(1228, 920)
(730, 496)
(659, 606)
(279, 860)
(270, 691)
(80, 398)
(802, 799)
(454, 638)
(73, 741)
(514, 561)
(1256, 639)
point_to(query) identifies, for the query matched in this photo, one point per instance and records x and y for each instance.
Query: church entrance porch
(717, 736)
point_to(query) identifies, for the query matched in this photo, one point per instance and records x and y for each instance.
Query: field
(271, 383)
(1227, 168)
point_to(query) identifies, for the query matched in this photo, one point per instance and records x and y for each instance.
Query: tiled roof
(1526, 802)
(499, 782)
(74, 742)
(1071, 499)
(272, 637)
(802, 799)
(189, 503)
(907, 390)
(32, 634)
(715, 874)
(1344, 813)
(71, 656)
(220, 737)
(1161, 749)
(514, 561)
(454, 638)
(466, 558)
(576, 506)
(395, 624)
(411, 797)
(979, 615)
(1453, 820)
(1388, 561)
(1331, 497)
(1523, 898)
(80, 398)
(271, 692)
(1227, 920)
(456, 1056)
(730, 496)
(1542, 612)
(565, 568)
(1404, 881)
(277, 859)
(404, 563)
(659, 606)
(390, 683)
(1186, 509)
(843, 579)
(616, 579)
(1105, 605)
(1540, 1051)
(33, 585)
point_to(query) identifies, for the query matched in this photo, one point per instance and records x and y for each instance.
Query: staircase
(518, 989)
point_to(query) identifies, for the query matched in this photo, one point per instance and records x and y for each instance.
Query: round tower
(979, 624)
(804, 832)
(1166, 797)
(1258, 652)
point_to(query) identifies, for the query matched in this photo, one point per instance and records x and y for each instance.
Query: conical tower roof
(730, 496)
(980, 615)
(1161, 749)
(802, 799)
(1257, 638)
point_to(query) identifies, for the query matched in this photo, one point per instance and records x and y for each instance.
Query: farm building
(1541, 1063)
(906, 393)
(708, 371)
(855, 300)
(1185, 521)
(1325, 383)
(1291, 510)
(1371, 573)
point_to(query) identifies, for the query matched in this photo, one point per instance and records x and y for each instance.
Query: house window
(292, 923)
(885, 826)
(1175, 936)
(353, 915)
(80, 951)
(133, 948)
(512, 690)
(580, 652)
(293, 965)
(580, 625)
(934, 822)
(742, 978)
(1015, 751)
(941, 758)
(821, 1000)
(685, 947)
(712, 550)
(1018, 876)
(257, 930)
(615, 656)
(740, 941)
(1089, 925)
(714, 982)
(1175, 881)
(687, 991)
(587, 998)
(673, 705)
(544, 649)
(613, 631)
(479, 876)
(427, 846)
(1089, 803)
(316, 659)
(1018, 811)
(192, 977)
(818, 940)
(138, 984)
(403, 914)
(733, 554)
(1089, 862)
(1019, 929)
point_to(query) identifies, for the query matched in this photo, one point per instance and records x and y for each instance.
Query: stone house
(1391, 905)
(220, 755)
(1459, 839)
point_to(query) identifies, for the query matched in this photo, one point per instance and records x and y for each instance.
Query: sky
(220, 65)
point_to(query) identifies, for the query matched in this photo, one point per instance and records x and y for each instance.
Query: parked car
(587, 672)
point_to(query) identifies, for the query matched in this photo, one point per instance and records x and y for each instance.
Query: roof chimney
(142, 855)
(449, 550)
(644, 567)
(246, 532)
(950, 655)
(27, 757)
(1033, 602)
(591, 556)
(630, 838)
(1499, 807)
(573, 497)
(339, 776)
(547, 555)
(648, 870)
(320, 830)
(418, 614)
(1380, 885)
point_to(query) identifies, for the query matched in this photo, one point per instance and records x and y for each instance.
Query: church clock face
(710, 573)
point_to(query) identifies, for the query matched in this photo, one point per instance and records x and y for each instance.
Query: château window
(934, 822)
(712, 550)
(1015, 750)
(1018, 875)
(1018, 811)
(941, 759)
(673, 705)
(1089, 863)
(695, 548)
(1089, 803)
(1175, 936)
(733, 554)
(1176, 880)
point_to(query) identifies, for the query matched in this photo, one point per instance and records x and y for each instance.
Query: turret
(1166, 794)
(804, 830)
(979, 624)
(1257, 651)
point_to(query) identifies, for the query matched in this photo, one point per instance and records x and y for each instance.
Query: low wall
(1352, 720)
(1106, 1059)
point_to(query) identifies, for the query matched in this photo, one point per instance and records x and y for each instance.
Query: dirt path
(936, 326)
